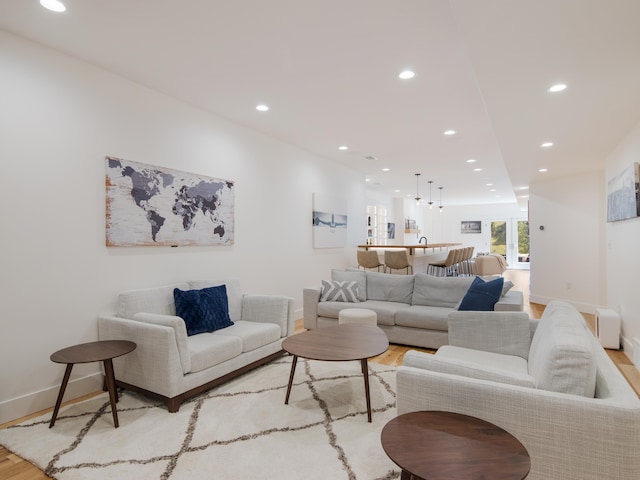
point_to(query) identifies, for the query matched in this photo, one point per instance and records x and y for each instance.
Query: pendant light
(417, 189)
(440, 198)
(430, 202)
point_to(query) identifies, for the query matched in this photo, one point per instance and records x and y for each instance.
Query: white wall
(59, 118)
(567, 260)
(622, 252)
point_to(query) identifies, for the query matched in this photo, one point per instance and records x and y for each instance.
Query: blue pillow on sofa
(482, 296)
(203, 310)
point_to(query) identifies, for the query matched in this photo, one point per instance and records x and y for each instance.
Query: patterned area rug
(239, 430)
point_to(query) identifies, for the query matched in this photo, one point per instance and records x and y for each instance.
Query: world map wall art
(156, 206)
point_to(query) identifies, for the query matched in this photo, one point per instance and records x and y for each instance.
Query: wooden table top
(444, 445)
(350, 341)
(93, 351)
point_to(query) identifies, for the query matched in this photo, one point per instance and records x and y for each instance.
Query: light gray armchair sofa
(548, 383)
(172, 366)
(411, 309)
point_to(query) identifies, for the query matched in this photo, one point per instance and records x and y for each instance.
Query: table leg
(63, 387)
(293, 370)
(111, 386)
(405, 475)
(365, 374)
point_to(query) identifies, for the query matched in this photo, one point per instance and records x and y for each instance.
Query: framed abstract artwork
(157, 206)
(623, 201)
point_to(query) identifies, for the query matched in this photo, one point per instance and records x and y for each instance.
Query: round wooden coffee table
(102, 351)
(351, 341)
(444, 445)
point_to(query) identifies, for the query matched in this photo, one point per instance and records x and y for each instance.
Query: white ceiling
(328, 70)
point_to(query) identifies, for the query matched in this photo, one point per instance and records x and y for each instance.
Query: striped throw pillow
(339, 291)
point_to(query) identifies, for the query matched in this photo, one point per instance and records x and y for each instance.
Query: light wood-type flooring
(13, 467)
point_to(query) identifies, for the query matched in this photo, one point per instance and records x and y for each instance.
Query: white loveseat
(548, 383)
(170, 365)
(411, 309)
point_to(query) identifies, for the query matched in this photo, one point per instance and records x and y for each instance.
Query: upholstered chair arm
(512, 301)
(310, 299)
(180, 331)
(508, 333)
(269, 309)
(155, 363)
(567, 436)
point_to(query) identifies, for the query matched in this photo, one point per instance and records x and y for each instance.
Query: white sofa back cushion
(234, 294)
(388, 287)
(562, 355)
(439, 291)
(151, 300)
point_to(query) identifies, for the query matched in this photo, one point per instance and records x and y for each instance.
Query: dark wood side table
(349, 341)
(103, 351)
(444, 445)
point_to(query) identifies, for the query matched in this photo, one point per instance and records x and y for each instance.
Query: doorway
(510, 238)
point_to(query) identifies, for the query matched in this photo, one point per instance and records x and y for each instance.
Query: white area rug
(239, 430)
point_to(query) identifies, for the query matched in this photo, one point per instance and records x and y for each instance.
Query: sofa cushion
(386, 311)
(234, 294)
(208, 350)
(482, 296)
(339, 291)
(439, 291)
(203, 310)
(352, 276)
(562, 355)
(423, 316)
(150, 300)
(252, 334)
(390, 288)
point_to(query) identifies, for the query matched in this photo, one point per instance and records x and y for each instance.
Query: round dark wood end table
(102, 351)
(349, 341)
(437, 445)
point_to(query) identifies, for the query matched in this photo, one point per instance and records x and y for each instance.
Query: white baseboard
(41, 400)
(581, 307)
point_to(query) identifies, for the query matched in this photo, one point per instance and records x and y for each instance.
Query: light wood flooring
(13, 467)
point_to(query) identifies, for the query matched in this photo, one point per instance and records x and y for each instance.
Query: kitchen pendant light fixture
(440, 198)
(430, 202)
(418, 189)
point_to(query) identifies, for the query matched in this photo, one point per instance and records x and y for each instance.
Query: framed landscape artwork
(156, 206)
(623, 201)
(329, 221)
(474, 226)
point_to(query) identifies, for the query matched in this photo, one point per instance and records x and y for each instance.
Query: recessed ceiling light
(493, 190)
(262, 108)
(489, 184)
(471, 160)
(397, 191)
(547, 144)
(449, 132)
(53, 5)
(407, 74)
(557, 87)
(367, 179)
(477, 169)
(343, 147)
(542, 170)
(386, 169)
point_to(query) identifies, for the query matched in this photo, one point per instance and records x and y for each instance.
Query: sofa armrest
(512, 301)
(467, 368)
(269, 309)
(567, 436)
(155, 363)
(310, 299)
(508, 333)
(180, 331)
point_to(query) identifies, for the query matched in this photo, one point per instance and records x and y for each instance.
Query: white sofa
(548, 383)
(411, 309)
(172, 366)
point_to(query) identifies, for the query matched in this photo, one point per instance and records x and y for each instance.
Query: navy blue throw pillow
(482, 296)
(203, 310)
